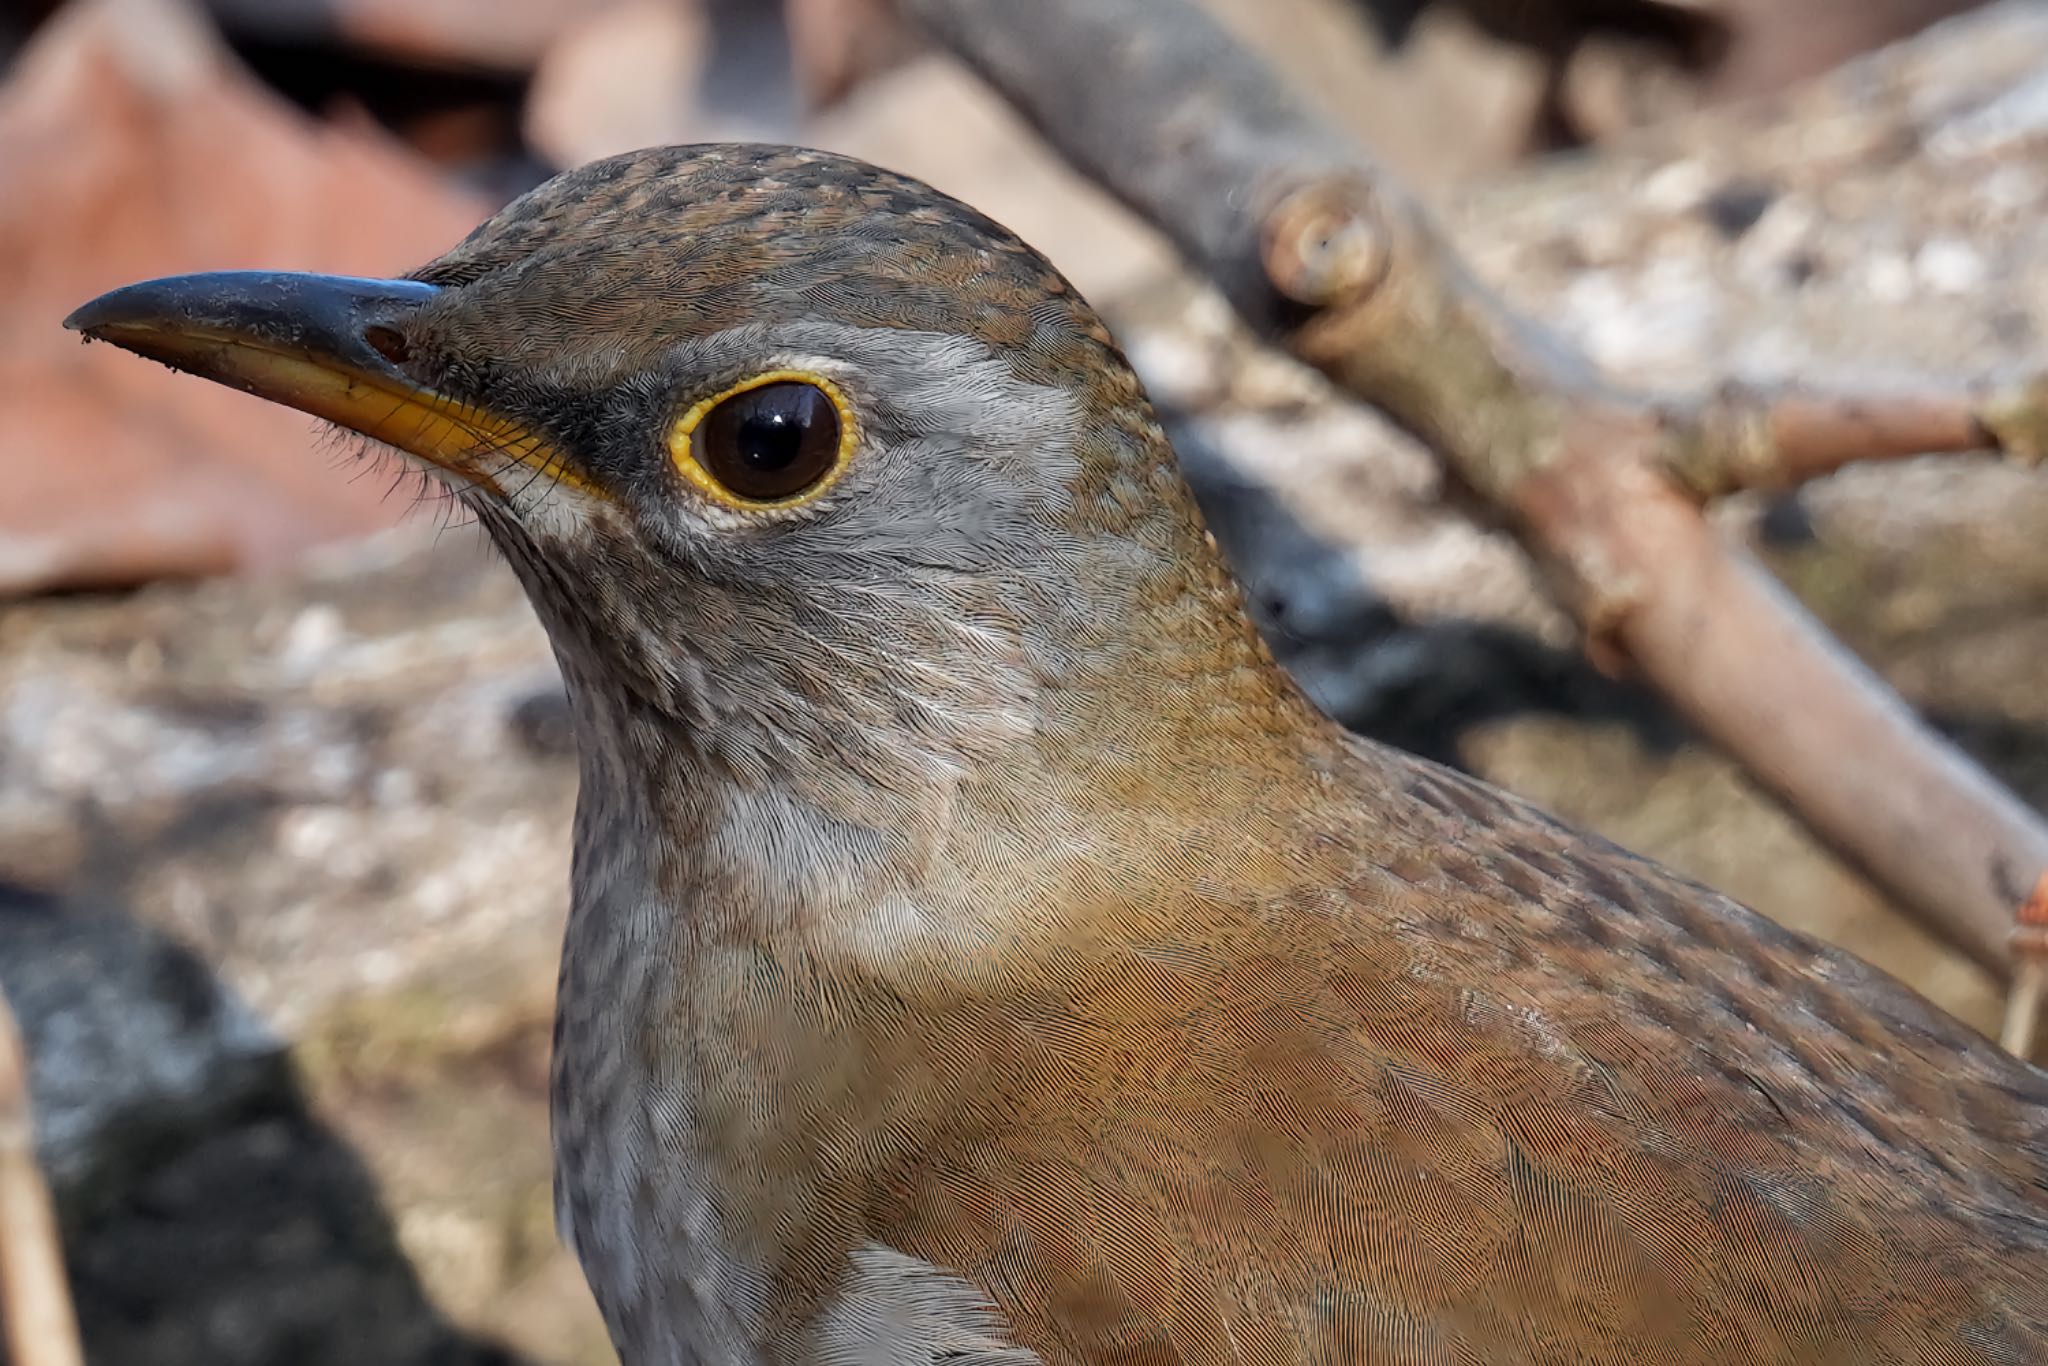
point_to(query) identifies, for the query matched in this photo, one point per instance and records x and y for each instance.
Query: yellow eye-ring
(772, 441)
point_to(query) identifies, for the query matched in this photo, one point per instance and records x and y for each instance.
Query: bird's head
(823, 483)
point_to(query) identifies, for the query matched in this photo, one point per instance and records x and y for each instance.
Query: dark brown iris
(770, 442)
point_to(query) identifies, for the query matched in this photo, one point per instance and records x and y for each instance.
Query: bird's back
(1501, 1093)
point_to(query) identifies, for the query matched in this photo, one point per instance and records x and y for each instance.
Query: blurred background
(284, 773)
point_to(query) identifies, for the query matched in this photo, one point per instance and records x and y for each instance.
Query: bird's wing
(1508, 1096)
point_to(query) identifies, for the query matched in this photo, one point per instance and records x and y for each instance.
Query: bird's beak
(328, 345)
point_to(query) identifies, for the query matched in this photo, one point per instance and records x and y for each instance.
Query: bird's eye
(769, 441)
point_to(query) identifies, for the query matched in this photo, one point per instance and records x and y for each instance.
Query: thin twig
(2030, 946)
(1747, 438)
(35, 1298)
(1321, 251)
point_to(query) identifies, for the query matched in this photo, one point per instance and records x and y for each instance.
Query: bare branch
(35, 1298)
(1320, 250)
(1747, 438)
(1731, 649)
(2030, 945)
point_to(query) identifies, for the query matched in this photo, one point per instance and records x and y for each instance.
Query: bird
(981, 952)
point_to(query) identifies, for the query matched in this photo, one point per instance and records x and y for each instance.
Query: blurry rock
(263, 1243)
(135, 1049)
(131, 146)
(209, 1219)
(338, 789)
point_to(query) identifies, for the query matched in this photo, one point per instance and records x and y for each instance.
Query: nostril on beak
(387, 342)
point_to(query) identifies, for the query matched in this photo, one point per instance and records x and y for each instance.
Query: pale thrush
(981, 952)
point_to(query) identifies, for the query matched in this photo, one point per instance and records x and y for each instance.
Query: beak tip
(87, 316)
(314, 343)
(256, 301)
(134, 306)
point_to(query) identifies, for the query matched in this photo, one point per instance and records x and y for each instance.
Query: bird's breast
(635, 1195)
